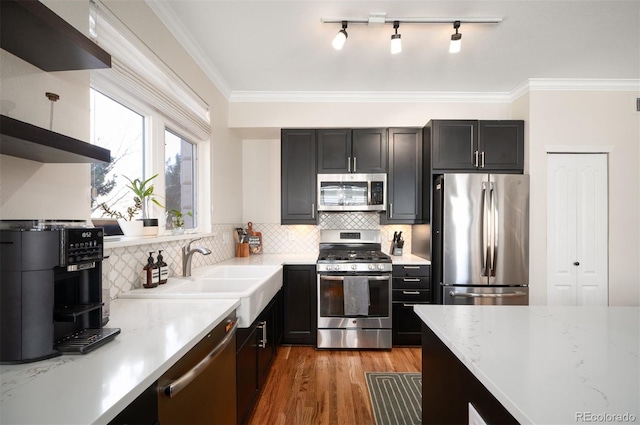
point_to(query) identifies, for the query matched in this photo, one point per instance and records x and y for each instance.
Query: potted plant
(177, 219)
(129, 226)
(142, 197)
(143, 191)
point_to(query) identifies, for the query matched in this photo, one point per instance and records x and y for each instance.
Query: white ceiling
(282, 46)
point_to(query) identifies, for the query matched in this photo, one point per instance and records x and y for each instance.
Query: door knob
(576, 263)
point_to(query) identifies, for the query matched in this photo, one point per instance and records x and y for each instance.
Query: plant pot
(150, 226)
(178, 229)
(131, 228)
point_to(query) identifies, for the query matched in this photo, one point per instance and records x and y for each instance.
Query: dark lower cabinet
(448, 387)
(142, 411)
(256, 348)
(300, 305)
(410, 285)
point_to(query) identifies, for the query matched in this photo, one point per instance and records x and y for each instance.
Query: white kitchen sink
(254, 286)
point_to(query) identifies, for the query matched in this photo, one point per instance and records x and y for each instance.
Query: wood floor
(321, 387)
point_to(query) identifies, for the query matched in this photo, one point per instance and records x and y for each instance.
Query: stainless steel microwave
(352, 192)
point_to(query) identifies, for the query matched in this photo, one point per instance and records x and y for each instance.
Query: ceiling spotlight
(341, 37)
(456, 39)
(396, 43)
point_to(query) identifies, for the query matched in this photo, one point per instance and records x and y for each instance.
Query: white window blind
(138, 69)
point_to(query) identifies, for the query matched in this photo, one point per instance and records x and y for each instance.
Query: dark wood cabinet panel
(503, 144)
(404, 191)
(334, 151)
(454, 144)
(256, 348)
(411, 285)
(346, 150)
(468, 146)
(298, 177)
(300, 318)
(449, 387)
(369, 150)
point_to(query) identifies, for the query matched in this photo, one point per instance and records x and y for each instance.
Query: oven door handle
(179, 384)
(479, 295)
(331, 277)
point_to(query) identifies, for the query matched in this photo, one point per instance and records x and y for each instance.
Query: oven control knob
(354, 267)
(380, 267)
(372, 266)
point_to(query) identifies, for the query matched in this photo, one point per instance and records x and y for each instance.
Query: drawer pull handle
(411, 279)
(410, 267)
(411, 292)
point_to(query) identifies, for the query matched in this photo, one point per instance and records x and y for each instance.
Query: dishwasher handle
(181, 383)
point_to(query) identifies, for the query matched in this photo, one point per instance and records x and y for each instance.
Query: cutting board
(255, 240)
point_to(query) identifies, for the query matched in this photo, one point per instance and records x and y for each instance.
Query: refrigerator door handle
(484, 230)
(493, 243)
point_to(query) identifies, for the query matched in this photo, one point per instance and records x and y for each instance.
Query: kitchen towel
(356, 295)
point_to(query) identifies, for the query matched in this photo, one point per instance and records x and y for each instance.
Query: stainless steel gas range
(354, 291)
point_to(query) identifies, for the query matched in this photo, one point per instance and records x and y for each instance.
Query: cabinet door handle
(391, 210)
(263, 341)
(482, 159)
(475, 159)
(313, 210)
(354, 164)
(349, 164)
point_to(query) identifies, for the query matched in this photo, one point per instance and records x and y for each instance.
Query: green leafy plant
(178, 217)
(142, 195)
(143, 192)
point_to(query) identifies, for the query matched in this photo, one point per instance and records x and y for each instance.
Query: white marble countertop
(548, 365)
(307, 258)
(95, 387)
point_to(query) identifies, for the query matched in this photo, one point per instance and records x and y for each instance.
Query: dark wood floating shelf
(34, 33)
(28, 141)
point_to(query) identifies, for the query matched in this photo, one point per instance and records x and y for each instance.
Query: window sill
(123, 241)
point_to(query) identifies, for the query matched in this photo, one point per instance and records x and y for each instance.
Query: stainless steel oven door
(331, 302)
(493, 295)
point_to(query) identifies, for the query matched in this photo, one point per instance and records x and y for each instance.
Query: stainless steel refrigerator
(480, 238)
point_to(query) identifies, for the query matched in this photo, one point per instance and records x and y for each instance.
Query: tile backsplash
(122, 269)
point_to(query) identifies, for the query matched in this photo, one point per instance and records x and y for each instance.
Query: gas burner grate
(84, 341)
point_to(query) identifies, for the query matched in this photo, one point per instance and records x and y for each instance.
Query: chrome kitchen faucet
(187, 254)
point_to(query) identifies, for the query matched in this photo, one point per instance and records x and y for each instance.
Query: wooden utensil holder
(242, 250)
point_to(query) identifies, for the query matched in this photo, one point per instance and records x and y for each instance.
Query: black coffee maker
(50, 290)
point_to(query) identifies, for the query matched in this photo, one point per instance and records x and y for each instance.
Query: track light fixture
(341, 37)
(396, 43)
(456, 39)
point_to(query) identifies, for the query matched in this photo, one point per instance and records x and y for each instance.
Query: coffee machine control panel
(81, 246)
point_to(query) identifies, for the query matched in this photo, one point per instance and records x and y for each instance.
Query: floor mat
(396, 397)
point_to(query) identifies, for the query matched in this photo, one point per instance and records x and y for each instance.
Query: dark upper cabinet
(300, 305)
(334, 151)
(34, 33)
(405, 194)
(502, 144)
(298, 177)
(352, 151)
(470, 145)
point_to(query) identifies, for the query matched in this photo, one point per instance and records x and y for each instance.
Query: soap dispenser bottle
(150, 275)
(163, 269)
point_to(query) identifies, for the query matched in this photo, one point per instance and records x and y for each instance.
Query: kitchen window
(154, 123)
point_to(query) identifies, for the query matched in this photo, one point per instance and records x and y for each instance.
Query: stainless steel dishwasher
(201, 387)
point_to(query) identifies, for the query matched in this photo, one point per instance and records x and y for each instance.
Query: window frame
(156, 122)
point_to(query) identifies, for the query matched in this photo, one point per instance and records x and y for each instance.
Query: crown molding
(167, 16)
(575, 84)
(369, 96)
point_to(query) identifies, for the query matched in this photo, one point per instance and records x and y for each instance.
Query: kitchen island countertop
(548, 365)
(95, 387)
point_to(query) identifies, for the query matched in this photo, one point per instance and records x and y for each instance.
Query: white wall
(30, 189)
(590, 119)
(261, 181)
